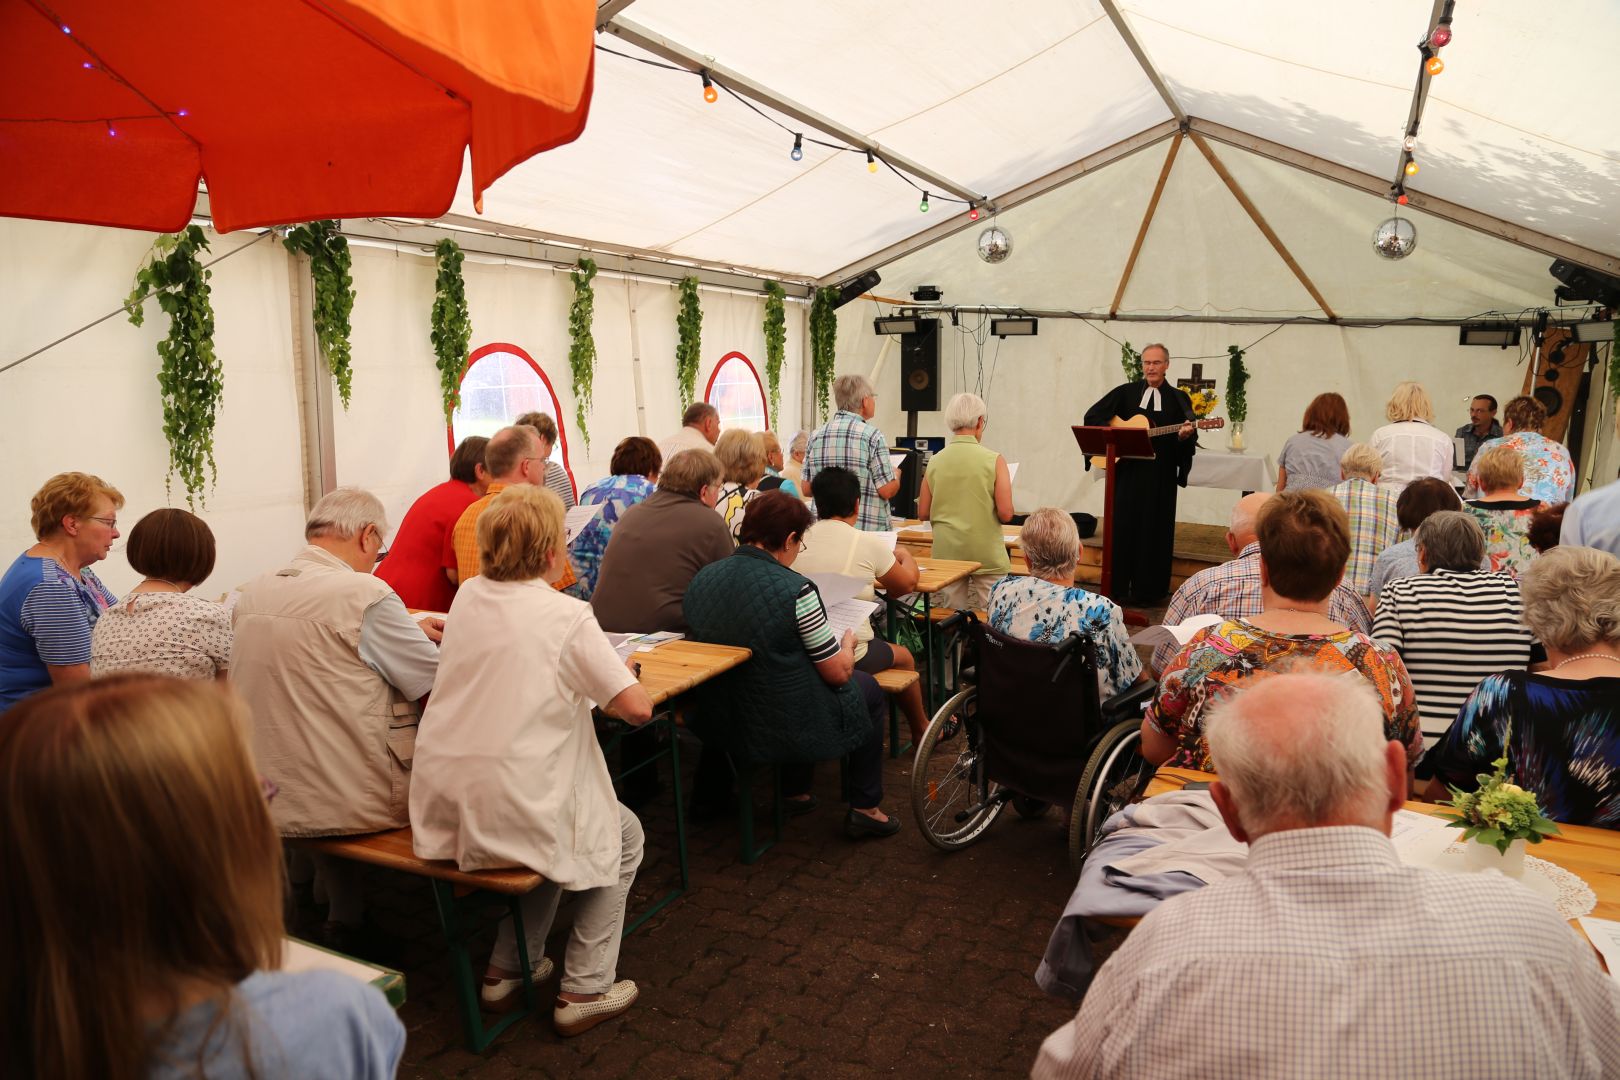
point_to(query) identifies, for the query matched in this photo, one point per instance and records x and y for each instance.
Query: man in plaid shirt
(1374, 522)
(1232, 589)
(849, 442)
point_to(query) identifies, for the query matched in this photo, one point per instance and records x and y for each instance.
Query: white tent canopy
(1042, 111)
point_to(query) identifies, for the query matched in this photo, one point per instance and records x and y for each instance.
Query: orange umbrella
(111, 111)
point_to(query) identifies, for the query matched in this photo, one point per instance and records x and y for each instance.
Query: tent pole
(1142, 60)
(1147, 220)
(1260, 223)
(317, 440)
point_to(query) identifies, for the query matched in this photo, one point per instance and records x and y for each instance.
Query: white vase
(1234, 437)
(1478, 856)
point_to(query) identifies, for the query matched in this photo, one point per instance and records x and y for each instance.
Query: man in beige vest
(333, 668)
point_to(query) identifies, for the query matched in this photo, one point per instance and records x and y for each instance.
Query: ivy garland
(775, 343)
(1237, 377)
(582, 346)
(1614, 370)
(689, 323)
(1131, 361)
(190, 377)
(823, 345)
(329, 262)
(452, 328)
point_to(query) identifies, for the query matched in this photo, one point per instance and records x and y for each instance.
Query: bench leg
(459, 918)
(745, 811)
(896, 747)
(674, 894)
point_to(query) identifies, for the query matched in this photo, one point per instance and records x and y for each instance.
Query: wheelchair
(1026, 727)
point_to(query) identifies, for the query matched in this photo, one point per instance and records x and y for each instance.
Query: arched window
(500, 383)
(737, 394)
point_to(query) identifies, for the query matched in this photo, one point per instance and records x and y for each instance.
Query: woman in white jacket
(1411, 446)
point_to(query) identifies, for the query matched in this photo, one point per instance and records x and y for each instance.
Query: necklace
(164, 581)
(1587, 656)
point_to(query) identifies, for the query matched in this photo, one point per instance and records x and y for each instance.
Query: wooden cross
(1197, 381)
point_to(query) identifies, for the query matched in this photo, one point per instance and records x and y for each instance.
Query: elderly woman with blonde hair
(508, 771)
(1560, 727)
(742, 456)
(776, 478)
(1047, 606)
(1503, 513)
(49, 598)
(967, 494)
(1410, 445)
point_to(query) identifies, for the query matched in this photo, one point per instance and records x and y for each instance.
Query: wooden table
(676, 666)
(932, 576)
(1593, 855)
(1011, 535)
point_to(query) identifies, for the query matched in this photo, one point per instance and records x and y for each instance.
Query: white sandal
(503, 995)
(578, 1017)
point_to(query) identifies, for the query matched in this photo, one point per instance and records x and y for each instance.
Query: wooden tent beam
(1147, 220)
(1260, 222)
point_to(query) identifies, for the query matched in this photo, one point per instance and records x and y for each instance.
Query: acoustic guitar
(1141, 421)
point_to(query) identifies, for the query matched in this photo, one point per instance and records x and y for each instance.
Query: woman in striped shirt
(1454, 623)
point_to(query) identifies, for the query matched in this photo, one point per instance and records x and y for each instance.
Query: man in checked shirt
(1327, 956)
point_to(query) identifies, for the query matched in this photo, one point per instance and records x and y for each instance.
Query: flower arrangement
(1203, 402)
(1500, 812)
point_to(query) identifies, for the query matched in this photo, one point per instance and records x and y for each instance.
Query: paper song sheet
(1177, 635)
(895, 460)
(1012, 470)
(575, 520)
(848, 615)
(1605, 935)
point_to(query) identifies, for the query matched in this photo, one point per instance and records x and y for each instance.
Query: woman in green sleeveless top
(967, 494)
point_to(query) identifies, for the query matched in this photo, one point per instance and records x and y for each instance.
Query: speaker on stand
(919, 392)
(1555, 380)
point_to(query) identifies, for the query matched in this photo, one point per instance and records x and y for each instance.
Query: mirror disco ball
(994, 244)
(1395, 238)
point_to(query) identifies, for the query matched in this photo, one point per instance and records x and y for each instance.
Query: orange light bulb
(1435, 65)
(1411, 168)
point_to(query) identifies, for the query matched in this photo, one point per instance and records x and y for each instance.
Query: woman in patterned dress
(1503, 513)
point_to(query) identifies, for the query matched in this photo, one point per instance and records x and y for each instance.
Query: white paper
(1410, 823)
(889, 538)
(576, 519)
(895, 460)
(1605, 935)
(849, 614)
(628, 644)
(1177, 635)
(919, 527)
(300, 956)
(836, 588)
(1012, 471)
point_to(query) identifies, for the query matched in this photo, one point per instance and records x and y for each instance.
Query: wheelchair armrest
(1129, 703)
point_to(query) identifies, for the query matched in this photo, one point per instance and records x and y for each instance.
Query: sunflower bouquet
(1203, 402)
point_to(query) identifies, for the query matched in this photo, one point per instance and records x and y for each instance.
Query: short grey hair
(1298, 749)
(964, 411)
(1451, 540)
(1245, 519)
(850, 390)
(1572, 598)
(1161, 346)
(1051, 543)
(345, 513)
(1361, 460)
(800, 443)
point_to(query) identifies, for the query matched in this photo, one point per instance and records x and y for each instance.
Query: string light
(87, 65)
(1434, 65)
(1440, 37)
(1411, 168)
(710, 94)
(973, 213)
(797, 153)
(923, 206)
(1402, 199)
(871, 162)
(112, 132)
(183, 112)
(1410, 143)
(65, 30)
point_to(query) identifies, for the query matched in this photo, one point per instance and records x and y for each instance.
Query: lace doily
(1568, 893)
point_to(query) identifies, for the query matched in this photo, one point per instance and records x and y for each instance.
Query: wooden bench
(893, 681)
(460, 896)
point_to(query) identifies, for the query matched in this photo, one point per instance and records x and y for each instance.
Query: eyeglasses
(111, 523)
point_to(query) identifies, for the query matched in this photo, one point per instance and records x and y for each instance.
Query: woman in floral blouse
(1304, 545)
(1047, 606)
(1503, 513)
(634, 467)
(160, 627)
(1549, 474)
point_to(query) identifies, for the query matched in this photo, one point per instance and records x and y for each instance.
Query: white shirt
(1412, 450)
(688, 438)
(1328, 957)
(837, 547)
(508, 771)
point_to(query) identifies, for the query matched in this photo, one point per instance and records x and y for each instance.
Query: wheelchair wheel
(1030, 809)
(1114, 776)
(953, 801)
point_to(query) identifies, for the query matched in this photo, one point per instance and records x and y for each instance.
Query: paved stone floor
(827, 958)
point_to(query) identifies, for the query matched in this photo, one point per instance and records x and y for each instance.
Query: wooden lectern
(1112, 444)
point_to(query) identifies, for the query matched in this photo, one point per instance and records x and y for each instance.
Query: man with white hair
(1375, 521)
(333, 668)
(1327, 955)
(849, 442)
(793, 468)
(1232, 590)
(700, 430)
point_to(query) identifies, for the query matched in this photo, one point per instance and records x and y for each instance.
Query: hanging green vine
(452, 329)
(775, 344)
(689, 323)
(329, 263)
(1237, 377)
(190, 377)
(582, 346)
(1131, 361)
(824, 345)
(1614, 368)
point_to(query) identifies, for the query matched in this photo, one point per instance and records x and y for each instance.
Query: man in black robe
(1144, 528)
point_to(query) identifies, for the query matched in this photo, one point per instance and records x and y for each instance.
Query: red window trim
(724, 360)
(562, 431)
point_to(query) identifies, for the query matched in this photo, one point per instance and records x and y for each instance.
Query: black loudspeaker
(855, 286)
(919, 368)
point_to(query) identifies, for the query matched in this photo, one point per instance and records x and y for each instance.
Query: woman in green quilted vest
(798, 699)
